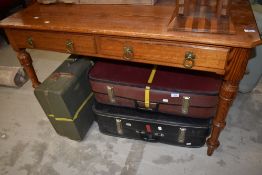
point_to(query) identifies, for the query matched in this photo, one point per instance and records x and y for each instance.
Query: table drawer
(56, 41)
(165, 53)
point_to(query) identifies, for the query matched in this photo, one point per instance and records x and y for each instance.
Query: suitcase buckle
(111, 94)
(181, 135)
(185, 104)
(119, 126)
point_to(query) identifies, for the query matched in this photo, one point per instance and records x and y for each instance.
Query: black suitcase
(151, 126)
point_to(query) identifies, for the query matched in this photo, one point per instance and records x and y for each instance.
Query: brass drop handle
(128, 53)
(189, 60)
(69, 46)
(30, 42)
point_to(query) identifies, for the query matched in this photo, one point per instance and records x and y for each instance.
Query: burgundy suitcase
(161, 89)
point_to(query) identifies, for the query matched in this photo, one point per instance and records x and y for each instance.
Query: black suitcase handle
(149, 137)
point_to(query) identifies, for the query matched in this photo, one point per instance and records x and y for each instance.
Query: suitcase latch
(181, 135)
(119, 126)
(185, 104)
(111, 94)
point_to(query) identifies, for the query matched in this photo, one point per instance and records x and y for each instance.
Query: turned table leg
(26, 61)
(235, 69)
(227, 93)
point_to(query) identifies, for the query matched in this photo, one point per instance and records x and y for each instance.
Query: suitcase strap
(147, 88)
(147, 97)
(152, 75)
(68, 119)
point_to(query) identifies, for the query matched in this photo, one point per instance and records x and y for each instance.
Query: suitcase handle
(149, 137)
(141, 105)
(57, 75)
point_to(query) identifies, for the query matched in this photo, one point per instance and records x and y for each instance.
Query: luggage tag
(174, 95)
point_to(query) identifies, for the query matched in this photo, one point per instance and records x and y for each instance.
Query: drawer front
(56, 41)
(164, 53)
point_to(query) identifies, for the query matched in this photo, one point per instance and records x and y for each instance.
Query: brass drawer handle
(189, 60)
(30, 42)
(128, 53)
(69, 46)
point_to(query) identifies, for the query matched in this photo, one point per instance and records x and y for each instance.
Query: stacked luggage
(154, 103)
(137, 101)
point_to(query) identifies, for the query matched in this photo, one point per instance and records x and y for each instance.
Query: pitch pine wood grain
(212, 58)
(26, 61)
(82, 44)
(235, 69)
(132, 21)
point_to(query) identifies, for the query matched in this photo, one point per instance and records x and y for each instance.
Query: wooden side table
(140, 34)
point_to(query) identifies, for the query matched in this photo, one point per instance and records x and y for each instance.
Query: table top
(139, 21)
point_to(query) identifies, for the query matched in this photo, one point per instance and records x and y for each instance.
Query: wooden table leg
(26, 61)
(235, 69)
